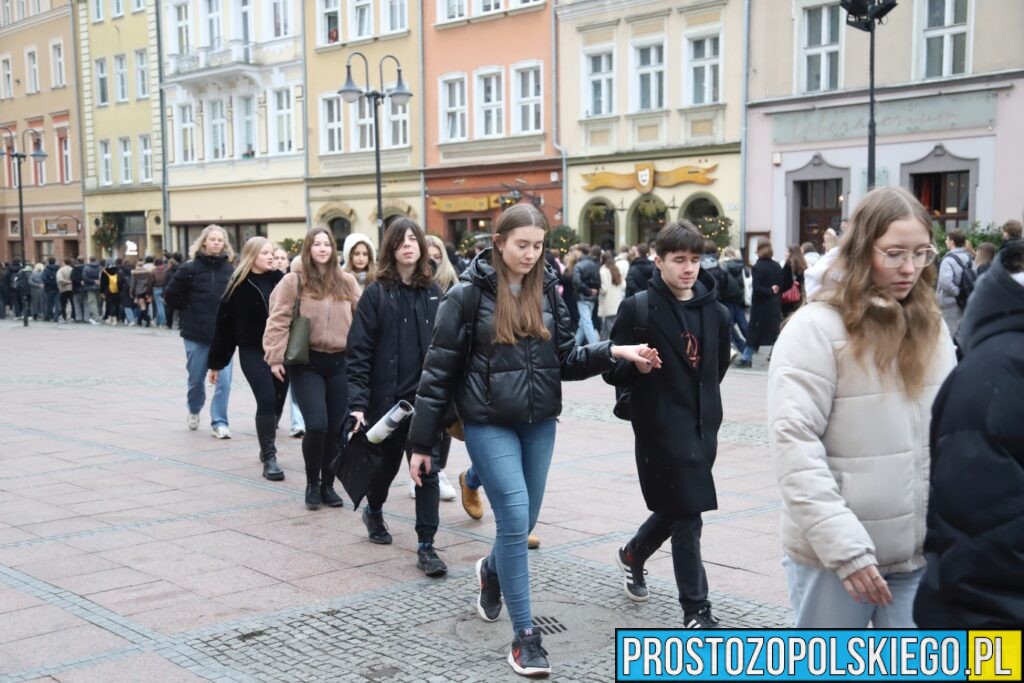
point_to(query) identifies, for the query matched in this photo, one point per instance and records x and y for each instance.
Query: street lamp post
(864, 15)
(399, 94)
(37, 155)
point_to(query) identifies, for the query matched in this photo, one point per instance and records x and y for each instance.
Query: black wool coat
(196, 290)
(675, 428)
(241, 320)
(765, 306)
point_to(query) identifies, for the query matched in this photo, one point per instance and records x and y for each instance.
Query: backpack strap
(640, 324)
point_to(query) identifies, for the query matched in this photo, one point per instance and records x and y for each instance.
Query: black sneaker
(331, 497)
(376, 529)
(702, 618)
(633, 573)
(527, 657)
(488, 603)
(313, 499)
(429, 562)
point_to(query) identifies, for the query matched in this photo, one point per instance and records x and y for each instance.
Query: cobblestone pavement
(132, 549)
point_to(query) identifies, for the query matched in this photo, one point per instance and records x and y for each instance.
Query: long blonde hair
(327, 281)
(522, 316)
(903, 332)
(199, 246)
(250, 252)
(445, 276)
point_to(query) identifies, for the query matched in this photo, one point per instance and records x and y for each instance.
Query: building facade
(39, 113)
(949, 105)
(652, 107)
(235, 105)
(490, 120)
(341, 168)
(121, 129)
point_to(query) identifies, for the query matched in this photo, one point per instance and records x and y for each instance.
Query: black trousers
(320, 389)
(428, 496)
(684, 531)
(269, 392)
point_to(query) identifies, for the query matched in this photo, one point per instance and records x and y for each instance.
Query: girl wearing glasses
(850, 386)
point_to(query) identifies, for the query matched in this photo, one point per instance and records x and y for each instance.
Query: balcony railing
(225, 54)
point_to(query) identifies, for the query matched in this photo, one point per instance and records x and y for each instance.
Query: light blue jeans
(586, 334)
(297, 421)
(158, 307)
(512, 463)
(820, 601)
(197, 355)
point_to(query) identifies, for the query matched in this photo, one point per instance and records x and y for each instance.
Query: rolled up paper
(389, 423)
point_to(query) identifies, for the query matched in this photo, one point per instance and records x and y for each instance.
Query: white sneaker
(298, 432)
(221, 432)
(447, 492)
(193, 421)
(412, 489)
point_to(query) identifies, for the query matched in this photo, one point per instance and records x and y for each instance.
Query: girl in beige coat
(850, 388)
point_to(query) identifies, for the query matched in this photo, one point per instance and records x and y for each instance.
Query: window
(64, 149)
(331, 129)
(141, 73)
(525, 3)
(125, 146)
(600, 83)
(705, 67)
(650, 75)
(527, 113)
(396, 125)
(362, 125)
(487, 6)
(946, 196)
(57, 65)
(245, 127)
(5, 12)
(182, 29)
(330, 21)
(453, 103)
(186, 134)
(283, 120)
(97, 10)
(396, 15)
(360, 23)
(101, 82)
(213, 25)
(821, 48)
(490, 105)
(121, 77)
(218, 129)
(279, 10)
(117, 9)
(31, 72)
(106, 172)
(145, 159)
(38, 166)
(451, 10)
(138, 5)
(945, 38)
(6, 81)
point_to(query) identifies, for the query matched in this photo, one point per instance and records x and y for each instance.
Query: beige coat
(851, 451)
(329, 319)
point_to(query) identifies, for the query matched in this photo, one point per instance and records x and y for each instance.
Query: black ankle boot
(265, 429)
(329, 496)
(313, 499)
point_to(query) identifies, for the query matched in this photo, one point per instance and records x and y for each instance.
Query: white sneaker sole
(625, 582)
(529, 671)
(480, 607)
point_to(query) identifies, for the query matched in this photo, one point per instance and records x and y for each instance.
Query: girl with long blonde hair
(850, 388)
(445, 275)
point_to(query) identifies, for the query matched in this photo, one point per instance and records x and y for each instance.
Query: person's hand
(418, 462)
(775, 289)
(360, 420)
(641, 354)
(277, 370)
(867, 585)
(212, 377)
(651, 354)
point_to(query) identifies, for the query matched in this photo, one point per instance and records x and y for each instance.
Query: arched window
(340, 228)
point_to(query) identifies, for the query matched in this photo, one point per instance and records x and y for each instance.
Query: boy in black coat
(675, 412)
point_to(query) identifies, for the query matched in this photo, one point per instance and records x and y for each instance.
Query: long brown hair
(797, 262)
(387, 266)
(608, 262)
(522, 316)
(324, 281)
(903, 332)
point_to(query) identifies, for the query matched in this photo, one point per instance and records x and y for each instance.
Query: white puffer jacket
(851, 451)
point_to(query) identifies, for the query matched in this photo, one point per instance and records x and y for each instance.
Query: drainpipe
(557, 113)
(85, 234)
(443, 230)
(307, 154)
(163, 136)
(743, 127)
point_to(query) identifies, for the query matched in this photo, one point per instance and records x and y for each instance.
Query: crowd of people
(901, 471)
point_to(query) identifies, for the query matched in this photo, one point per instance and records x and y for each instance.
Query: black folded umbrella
(356, 464)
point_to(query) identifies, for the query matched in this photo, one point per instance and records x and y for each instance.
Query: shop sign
(466, 204)
(645, 178)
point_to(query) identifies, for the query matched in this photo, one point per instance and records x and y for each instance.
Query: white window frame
(690, 65)
(387, 26)
(186, 129)
(803, 51)
(145, 159)
(216, 129)
(608, 79)
(102, 83)
(284, 9)
(324, 12)
(245, 122)
(58, 78)
(138, 5)
(213, 23)
(116, 8)
(496, 107)
(97, 10)
(124, 149)
(6, 77)
(360, 116)
(332, 133)
(354, 6)
(106, 164)
(444, 15)
(458, 110)
(635, 46)
(287, 116)
(946, 33)
(532, 101)
(141, 74)
(6, 13)
(38, 166)
(182, 22)
(393, 114)
(485, 7)
(63, 136)
(121, 78)
(31, 70)
(516, 4)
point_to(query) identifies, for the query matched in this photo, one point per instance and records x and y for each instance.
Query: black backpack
(729, 291)
(622, 394)
(968, 278)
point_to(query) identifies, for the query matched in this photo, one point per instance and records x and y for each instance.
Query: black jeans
(320, 389)
(267, 389)
(428, 496)
(684, 531)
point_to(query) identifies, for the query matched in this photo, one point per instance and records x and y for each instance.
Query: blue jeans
(472, 481)
(739, 319)
(158, 306)
(749, 351)
(297, 421)
(586, 332)
(512, 463)
(197, 355)
(820, 601)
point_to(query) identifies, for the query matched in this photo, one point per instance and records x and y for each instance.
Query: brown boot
(471, 499)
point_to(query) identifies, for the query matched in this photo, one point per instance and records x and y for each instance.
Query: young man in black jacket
(675, 413)
(640, 271)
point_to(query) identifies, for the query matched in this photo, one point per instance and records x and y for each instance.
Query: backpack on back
(112, 283)
(729, 290)
(622, 394)
(968, 278)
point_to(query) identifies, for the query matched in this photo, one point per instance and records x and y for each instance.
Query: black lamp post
(864, 15)
(36, 155)
(399, 94)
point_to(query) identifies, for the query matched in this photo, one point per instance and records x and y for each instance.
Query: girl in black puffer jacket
(502, 345)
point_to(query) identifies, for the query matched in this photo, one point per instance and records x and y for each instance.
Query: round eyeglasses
(895, 258)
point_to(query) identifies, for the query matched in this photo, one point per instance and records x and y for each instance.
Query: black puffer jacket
(503, 384)
(242, 318)
(196, 291)
(975, 539)
(640, 272)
